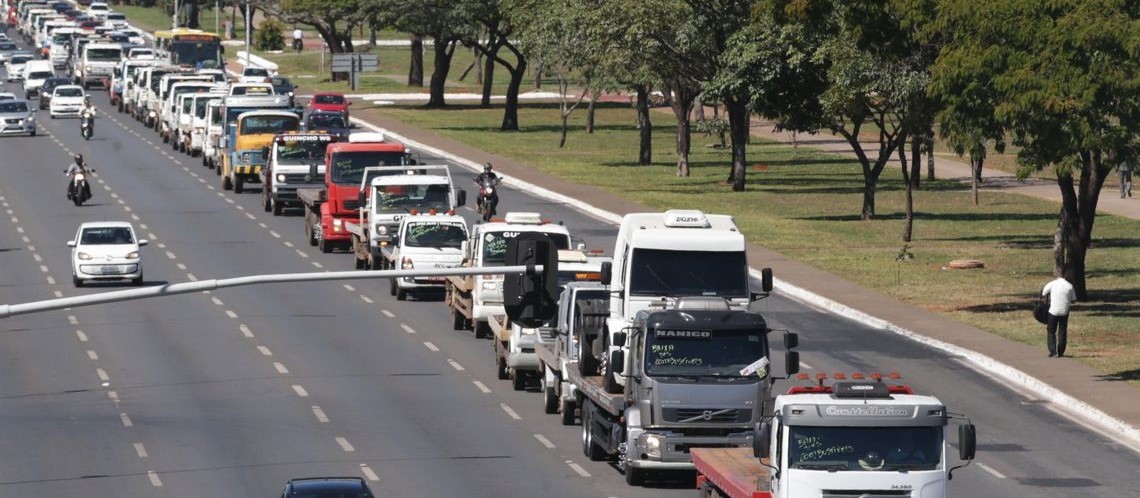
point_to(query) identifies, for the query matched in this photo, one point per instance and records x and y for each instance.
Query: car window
(7, 46)
(15, 106)
(329, 99)
(106, 236)
(69, 92)
(255, 71)
(7, 97)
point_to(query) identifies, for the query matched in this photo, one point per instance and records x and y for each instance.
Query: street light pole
(174, 21)
(248, 32)
(217, 15)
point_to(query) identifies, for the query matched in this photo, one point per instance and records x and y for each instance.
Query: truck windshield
(659, 272)
(200, 106)
(104, 54)
(495, 245)
(348, 167)
(864, 448)
(421, 197)
(301, 151)
(704, 353)
(269, 124)
(435, 234)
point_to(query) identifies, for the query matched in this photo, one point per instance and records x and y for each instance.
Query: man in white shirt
(297, 39)
(1061, 296)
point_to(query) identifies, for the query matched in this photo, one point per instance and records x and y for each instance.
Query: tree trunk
(739, 127)
(192, 14)
(930, 157)
(590, 112)
(644, 126)
(915, 161)
(699, 108)
(538, 74)
(444, 49)
(416, 68)
(682, 104)
(489, 75)
(565, 128)
(976, 160)
(511, 110)
(478, 64)
(908, 230)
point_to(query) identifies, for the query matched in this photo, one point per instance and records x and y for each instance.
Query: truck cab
(424, 241)
(661, 258)
(122, 81)
(98, 62)
(172, 106)
(294, 160)
(215, 120)
(192, 121)
(246, 137)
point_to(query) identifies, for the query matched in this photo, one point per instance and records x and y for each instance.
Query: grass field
(809, 208)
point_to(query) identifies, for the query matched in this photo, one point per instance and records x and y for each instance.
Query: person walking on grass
(1061, 297)
(1125, 169)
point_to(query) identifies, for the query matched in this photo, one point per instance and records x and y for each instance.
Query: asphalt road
(232, 393)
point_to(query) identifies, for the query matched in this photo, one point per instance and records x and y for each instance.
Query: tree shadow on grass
(967, 217)
(1123, 375)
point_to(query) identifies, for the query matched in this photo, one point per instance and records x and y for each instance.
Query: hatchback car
(282, 85)
(16, 117)
(67, 100)
(48, 87)
(327, 487)
(106, 250)
(254, 75)
(14, 67)
(7, 48)
(329, 121)
(330, 101)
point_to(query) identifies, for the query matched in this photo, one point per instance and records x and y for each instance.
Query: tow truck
(294, 160)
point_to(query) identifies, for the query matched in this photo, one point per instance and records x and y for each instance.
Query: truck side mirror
(762, 440)
(618, 339)
(361, 198)
(766, 279)
(791, 363)
(791, 340)
(460, 197)
(607, 272)
(265, 153)
(967, 441)
(617, 361)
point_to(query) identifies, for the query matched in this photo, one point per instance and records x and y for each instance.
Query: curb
(985, 363)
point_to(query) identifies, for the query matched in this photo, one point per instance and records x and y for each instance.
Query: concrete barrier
(256, 61)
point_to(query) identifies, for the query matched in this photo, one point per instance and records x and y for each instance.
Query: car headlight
(83, 256)
(490, 286)
(652, 445)
(133, 255)
(32, 118)
(381, 230)
(280, 178)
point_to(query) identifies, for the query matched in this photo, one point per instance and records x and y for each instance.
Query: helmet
(79, 158)
(486, 166)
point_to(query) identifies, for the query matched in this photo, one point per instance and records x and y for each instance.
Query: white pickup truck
(424, 241)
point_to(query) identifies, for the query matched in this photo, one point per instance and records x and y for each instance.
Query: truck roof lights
(686, 218)
(524, 218)
(366, 138)
(875, 378)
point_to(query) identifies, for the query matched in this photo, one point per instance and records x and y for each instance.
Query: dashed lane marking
(349, 288)
(58, 293)
(317, 264)
(368, 473)
(320, 414)
(991, 470)
(482, 387)
(264, 351)
(51, 280)
(250, 215)
(366, 299)
(302, 253)
(181, 266)
(72, 320)
(141, 450)
(154, 480)
(160, 244)
(245, 331)
(345, 445)
(171, 255)
(431, 346)
(92, 355)
(82, 336)
(143, 226)
(407, 328)
(262, 224)
(288, 244)
(455, 365)
(275, 234)
(43, 268)
(577, 468)
(301, 392)
(102, 374)
(38, 258)
(545, 442)
(231, 314)
(126, 420)
(510, 412)
(216, 300)
(280, 368)
(388, 314)
(190, 276)
(114, 396)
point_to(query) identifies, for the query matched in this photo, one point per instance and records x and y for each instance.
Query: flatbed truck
(422, 241)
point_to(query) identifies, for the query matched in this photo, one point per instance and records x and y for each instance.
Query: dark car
(72, 14)
(282, 86)
(61, 7)
(327, 487)
(334, 122)
(48, 86)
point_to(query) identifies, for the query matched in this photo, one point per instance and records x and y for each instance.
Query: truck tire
(277, 209)
(226, 185)
(266, 201)
(239, 184)
(518, 380)
(587, 363)
(401, 295)
(566, 409)
(549, 398)
(482, 330)
(458, 322)
(634, 476)
(392, 287)
(360, 263)
(324, 245)
(589, 447)
(609, 382)
(501, 370)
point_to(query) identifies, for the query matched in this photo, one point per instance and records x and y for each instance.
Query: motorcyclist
(76, 168)
(87, 116)
(485, 175)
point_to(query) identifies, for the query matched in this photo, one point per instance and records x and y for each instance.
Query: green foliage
(268, 35)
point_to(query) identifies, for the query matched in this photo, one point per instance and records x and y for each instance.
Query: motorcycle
(80, 191)
(87, 125)
(488, 198)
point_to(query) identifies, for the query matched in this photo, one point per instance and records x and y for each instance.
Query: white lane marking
(102, 374)
(114, 195)
(265, 351)
(19, 229)
(482, 387)
(126, 420)
(300, 391)
(366, 299)
(407, 328)
(302, 253)
(317, 264)
(991, 470)
(455, 365)
(805, 365)
(26, 239)
(368, 473)
(143, 226)
(72, 320)
(320, 414)
(250, 216)
(431, 346)
(345, 445)
(275, 234)
(262, 224)
(38, 258)
(388, 314)
(545, 442)
(135, 217)
(92, 354)
(231, 201)
(349, 288)
(15, 220)
(160, 244)
(43, 268)
(58, 293)
(288, 244)
(242, 208)
(577, 468)
(127, 208)
(245, 331)
(50, 280)
(114, 396)
(31, 248)
(191, 276)
(280, 367)
(231, 314)
(216, 300)
(171, 255)
(181, 266)
(154, 480)
(120, 201)
(141, 450)
(510, 412)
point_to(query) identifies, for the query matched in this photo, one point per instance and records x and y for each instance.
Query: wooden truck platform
(593, 389)
(736, 472)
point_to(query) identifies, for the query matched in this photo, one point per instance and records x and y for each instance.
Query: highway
(232, 393)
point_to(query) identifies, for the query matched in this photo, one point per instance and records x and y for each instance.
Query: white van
(35, 72)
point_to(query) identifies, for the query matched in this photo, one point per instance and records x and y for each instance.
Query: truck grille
(297, 178)
(863, 493)
(351, 205)
(731, 416)
(547, 334)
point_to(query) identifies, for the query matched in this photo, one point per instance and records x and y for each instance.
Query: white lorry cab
(194, 131)
(60, 49)
(98, 63)
(215, 122)
(425, 241)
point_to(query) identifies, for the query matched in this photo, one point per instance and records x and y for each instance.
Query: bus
(191, 47)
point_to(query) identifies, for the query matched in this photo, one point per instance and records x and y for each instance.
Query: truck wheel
(239, 184)
(501, 370)
(277, 208)
(589, 447)
(634, 476)
(587, 364)
(401, 295)
(226, 185)
(482, 330)
(310, 233)
(392, 287)
(518, 380)
(566, 408)
(360, 263)
(549, 398)
(165, 138)
(458, 322)
(608, 380)
(324, 246)
(266, 202)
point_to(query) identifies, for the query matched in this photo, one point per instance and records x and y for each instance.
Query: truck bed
(501, 327)
(355, 228)
(311, 196)
(548, 356)
(459, 295)
(735, 471)
(592, 388)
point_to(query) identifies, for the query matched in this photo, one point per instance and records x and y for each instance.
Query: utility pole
(248, 32)
(217, 16)
(174, 21)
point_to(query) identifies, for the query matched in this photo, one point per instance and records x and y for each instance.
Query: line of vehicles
(654, 352)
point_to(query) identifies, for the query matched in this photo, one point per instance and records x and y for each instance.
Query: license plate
(436, 279)
(109, 270)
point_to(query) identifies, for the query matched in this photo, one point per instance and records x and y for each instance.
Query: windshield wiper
(908, 466)
(696, 378)
(828, 466)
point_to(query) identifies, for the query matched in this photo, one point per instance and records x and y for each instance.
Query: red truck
(328, 208)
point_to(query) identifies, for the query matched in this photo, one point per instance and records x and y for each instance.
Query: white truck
(389, 193)
(98, 63)
(295, 159)
(192, 125)
(211, 140)
(170, 87)
(60, 42)
(123, 82)
(474, 299)
(852, 438)
(424, 241)
(661, 258)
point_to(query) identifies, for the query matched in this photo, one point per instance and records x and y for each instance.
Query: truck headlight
(527, 331)
(652, 445)
(338, 224)
(381, 230)
(86, 68)
(280, 178)
(490, 286)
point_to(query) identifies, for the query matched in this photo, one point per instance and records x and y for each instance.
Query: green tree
(334, 20)
(1064, 76)
(445, 22)
(269, 35)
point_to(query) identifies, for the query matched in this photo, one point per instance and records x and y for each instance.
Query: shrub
(268, 35)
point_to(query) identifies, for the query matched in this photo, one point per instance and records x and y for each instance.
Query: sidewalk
(1064, 381)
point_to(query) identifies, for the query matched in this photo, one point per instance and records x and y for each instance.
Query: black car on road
(48, 86)
(327, 487)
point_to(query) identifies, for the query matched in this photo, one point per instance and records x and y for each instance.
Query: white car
(135, 36)
(98, 9)
(106, 250)
(15, 65)
(253, 74)
(140, 53)
(67, 100)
